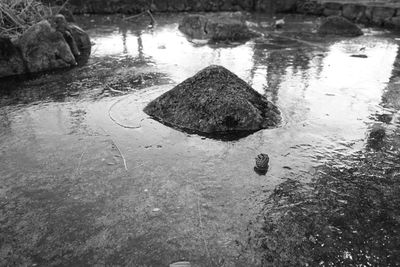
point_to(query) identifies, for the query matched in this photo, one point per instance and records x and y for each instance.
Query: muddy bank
(137, 6)
(377, 13)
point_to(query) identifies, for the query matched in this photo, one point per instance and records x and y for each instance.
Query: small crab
(262, 161)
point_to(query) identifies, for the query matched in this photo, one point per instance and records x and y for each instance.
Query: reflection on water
(172, 53)
(187, 196)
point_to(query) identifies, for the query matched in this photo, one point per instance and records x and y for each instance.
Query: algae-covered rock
(214, 101)
(337, 25)
(217, 27)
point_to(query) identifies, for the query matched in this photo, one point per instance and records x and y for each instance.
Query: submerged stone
(214, 101)
(217, 27)
(337, 25)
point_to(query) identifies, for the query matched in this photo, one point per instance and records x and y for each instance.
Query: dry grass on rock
(18, 15)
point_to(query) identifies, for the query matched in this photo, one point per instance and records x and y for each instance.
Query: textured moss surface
(214, 101)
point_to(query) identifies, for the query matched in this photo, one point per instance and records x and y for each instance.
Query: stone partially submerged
(45, 46)
(217, 27)
(214, 102)
(337, 25)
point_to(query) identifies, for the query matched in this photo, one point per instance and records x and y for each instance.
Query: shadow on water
(78, 155)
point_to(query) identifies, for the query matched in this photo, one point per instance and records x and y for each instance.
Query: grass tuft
(16, 16)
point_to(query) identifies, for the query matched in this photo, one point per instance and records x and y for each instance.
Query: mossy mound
(223, 26)
(214, 101)
(337, 25)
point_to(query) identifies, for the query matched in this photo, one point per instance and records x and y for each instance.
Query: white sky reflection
(168, 47)
(345, 92)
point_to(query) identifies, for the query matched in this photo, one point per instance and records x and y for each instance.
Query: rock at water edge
(214, 101)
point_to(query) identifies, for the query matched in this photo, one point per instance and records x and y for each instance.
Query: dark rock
(367, 14)
(376, 137)
(196, 5)
(194, 26)
(262, 164)
(382, 15)
(309, 7)
(331, 12)
(264, 6)
(395, 21)
(11, 62)
(332, 5)
(78, 40)
(248, 4)
(217, 27)
(285, 5)
(47, 45)
(336, 25)
(43, 48)
(359, 56)
(228, 5)
(129, 7)
(212, 6)
(60, 24)
(214, 101)
(385, 118)
(159, 6)
(177, 5)
(83, 44)
(272, 6)
(353, 11)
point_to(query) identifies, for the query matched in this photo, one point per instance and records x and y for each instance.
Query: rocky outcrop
(216, 27)
(214, 101)
(331, 9)
(276, 6)
(83, 44)
(353, 12)
(131, 7)
(309, 7)
(77, 39)
(45, 46)
(382, 15)
(367, 12)
(126, 6)
(11, 62)
(337, 25)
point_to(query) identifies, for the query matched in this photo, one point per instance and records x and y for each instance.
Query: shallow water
(87, 178)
